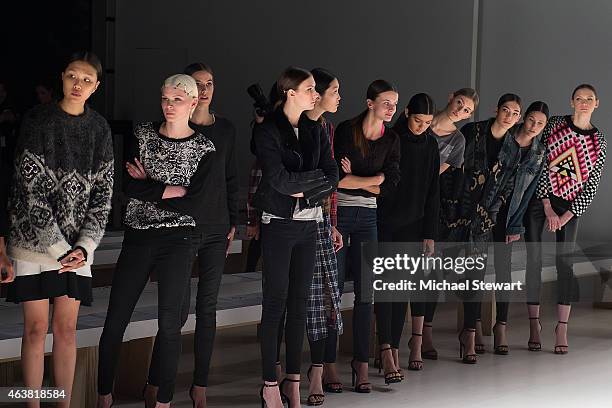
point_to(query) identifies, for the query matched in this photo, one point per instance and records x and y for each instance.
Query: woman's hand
(136, 170)
(552, 219)
(73, 260)
(512, 237)
(381, 178)
(174, 192)
(336, 239)
(565, 218)
(428, 247)
(230, 238)
(6, 266)
(346, 165)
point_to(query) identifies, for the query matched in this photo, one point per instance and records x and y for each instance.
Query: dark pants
(390, 316)
(211, 262)
(170, 253)
(289, 249)
(357, 225)
(567, 286)
(502, 261)
(253, 254)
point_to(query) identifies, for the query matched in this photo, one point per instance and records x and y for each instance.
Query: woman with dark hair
(451, 145)
(323, 308)
(368, 155)
(60, 202)
(575, 157)
(409, 215)
(159, 235)
(509, 225)
(298, 172)
(490, 160)
(215, 230)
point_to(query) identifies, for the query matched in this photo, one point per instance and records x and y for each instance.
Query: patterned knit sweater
(63, 183)
(167, 161)
(575, 160)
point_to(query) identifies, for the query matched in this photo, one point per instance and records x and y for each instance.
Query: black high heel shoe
(534, 345)
(334, 387)
(285, 397)
(429, 354)
(315, 399)
(263, 401)
(559, 348)
(399, 370)
(466, 358)
(391, 377)
(479, 348)
(415, 365)
(501, 349)
(363, 388)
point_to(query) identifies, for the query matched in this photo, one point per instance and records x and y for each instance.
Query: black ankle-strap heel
(501, 349)
(534, 345)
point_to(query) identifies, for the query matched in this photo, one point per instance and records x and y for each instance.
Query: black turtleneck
(418, 194)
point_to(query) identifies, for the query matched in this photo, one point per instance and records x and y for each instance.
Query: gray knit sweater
(61, 193)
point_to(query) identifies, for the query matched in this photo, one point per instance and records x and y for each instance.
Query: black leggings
(567, 286)
(211, 262)
(170, 253)
(390, 316)
(289, 249)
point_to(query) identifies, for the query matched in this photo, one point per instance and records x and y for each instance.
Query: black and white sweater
(63, 183)
(167, 161)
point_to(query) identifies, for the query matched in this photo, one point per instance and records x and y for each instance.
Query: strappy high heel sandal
(285, 397)
(501, 349)
(535, 345)
(399, 370)
(414, 365)
(466, 358)
(334, 387)
(429, 354)
(315, 399)
(362, 388)
(391, 377)
(479, 347)
(263, 401)
(559, 349)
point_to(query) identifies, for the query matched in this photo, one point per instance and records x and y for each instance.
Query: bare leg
(36, 324)
(563, 312)
(65, 313)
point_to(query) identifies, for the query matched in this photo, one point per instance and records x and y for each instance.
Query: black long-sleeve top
(383, 156)
(417, 195)
(4, 183)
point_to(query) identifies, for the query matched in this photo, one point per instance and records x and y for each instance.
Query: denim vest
(527, 173)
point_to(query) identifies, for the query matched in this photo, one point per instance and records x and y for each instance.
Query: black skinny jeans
(502, 262)
(211, 263)
(390, 316)
(357, 225)
(567, 286)
(289, 249)
(170, 253)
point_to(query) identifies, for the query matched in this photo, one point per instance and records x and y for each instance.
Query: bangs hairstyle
(509, 97)
(197, 66)
(291, 78)
(374, 89)
(538, 106)
(585, 86)
(468, 93)
(88, 57)
(323, 79)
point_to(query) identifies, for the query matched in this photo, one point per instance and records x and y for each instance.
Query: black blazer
(292, 165)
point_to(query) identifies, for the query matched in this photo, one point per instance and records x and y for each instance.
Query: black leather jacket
(292, 165)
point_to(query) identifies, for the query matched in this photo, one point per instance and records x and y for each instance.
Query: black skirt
(49, 285)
